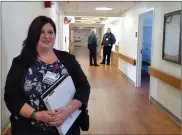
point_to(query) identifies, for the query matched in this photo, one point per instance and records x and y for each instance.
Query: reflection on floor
(117, 107)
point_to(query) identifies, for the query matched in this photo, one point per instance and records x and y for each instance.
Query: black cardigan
(14, 96)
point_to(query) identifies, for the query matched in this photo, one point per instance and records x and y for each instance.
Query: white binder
(58, 95)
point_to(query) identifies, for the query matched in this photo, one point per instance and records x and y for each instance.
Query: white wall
(0, 66)
(16, 18)
(83, 34)
(166, 95)
(66, 35)
(115, 29)
(61, 28)
(55, 17)
(80, 34)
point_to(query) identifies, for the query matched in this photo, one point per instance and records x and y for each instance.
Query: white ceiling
(90, 19)
(88, 8)
(78, 25)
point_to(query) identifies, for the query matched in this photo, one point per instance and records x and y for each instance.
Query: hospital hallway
(117, 107)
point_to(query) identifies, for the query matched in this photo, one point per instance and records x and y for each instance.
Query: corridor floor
(117, 107)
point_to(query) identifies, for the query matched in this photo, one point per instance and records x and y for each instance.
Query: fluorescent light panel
(103, 8)
(90, 18)
(85, 18)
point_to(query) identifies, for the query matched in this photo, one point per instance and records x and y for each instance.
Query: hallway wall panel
(16, 18)
(0, 61)
(166, 95)
(81, 37)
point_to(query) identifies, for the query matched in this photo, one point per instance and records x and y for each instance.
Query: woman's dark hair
(29, 51)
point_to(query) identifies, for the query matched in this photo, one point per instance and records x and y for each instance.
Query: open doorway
(144, 50)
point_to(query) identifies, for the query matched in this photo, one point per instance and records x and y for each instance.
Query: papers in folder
(58, 95)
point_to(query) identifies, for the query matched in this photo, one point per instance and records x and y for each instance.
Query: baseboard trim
(168, 112)
(131, 81)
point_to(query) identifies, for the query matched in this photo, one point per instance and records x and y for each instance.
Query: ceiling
(90, 19)
(88, 8)
(85, 13)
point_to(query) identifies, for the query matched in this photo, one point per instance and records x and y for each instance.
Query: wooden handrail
(114, 58)
(127, 59)
(70, 49)
(6, 129)
(169, 79)
(117, 48)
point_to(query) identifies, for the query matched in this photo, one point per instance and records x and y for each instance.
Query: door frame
(139, 46)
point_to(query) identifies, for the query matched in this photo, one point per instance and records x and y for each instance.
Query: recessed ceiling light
(85, 18)
(103, 8)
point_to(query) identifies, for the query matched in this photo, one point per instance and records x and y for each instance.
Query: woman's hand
(45, 116)
(62, 114)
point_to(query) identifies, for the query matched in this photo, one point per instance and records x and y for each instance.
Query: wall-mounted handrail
(127, 59)
(122, 56)
(169, 79)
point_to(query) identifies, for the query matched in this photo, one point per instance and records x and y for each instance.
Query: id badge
(50, 77)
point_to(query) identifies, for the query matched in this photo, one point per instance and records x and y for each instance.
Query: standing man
(92, 46)
(107, 43)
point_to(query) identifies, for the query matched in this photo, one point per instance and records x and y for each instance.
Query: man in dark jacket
(92, 46)
(107, 43)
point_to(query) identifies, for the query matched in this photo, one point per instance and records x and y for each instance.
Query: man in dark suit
(107, 43)
(92, 46)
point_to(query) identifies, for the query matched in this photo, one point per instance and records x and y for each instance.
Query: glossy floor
(117, 107)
